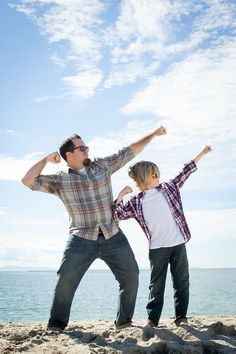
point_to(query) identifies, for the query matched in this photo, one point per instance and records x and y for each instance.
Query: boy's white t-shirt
(164, 230)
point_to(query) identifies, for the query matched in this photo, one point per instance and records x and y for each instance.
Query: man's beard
(87, 162)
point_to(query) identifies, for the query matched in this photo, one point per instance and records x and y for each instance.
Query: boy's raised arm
(202, 153)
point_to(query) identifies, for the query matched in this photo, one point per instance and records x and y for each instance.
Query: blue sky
(112, 71)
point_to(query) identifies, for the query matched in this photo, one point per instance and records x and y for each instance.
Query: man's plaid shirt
(87, 197)
(133, 208)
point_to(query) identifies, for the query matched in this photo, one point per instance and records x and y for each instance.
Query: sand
(198, 336)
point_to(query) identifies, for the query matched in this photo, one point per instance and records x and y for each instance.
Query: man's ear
(68, 154)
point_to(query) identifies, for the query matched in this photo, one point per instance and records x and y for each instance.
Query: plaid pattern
(87, 197)
(133, 208)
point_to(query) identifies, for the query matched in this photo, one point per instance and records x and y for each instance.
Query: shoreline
(19, 269)
(212, 334)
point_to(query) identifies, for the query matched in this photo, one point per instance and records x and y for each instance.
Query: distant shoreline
(99, 270)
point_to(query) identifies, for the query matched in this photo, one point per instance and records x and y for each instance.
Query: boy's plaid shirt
(133, 208)
(87, 197)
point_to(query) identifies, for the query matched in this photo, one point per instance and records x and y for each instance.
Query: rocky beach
(199, 336)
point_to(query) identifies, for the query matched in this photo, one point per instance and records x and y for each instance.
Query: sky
(112, 72)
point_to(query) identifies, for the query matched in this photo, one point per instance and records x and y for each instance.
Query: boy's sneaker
(180, 321)
(54, 329)
(150, 324)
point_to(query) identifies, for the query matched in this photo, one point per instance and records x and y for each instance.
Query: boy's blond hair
(142, 169)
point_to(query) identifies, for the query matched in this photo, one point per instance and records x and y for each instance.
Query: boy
(158, 209)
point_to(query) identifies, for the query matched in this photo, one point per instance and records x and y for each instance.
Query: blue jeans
(159, 260)
(78, 256)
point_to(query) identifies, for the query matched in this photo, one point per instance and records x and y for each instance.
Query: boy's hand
(122, 193)
(126, 190)
(206, 149)
(160, 131)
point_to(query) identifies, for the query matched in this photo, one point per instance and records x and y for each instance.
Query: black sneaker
(54, 329)
(180, 321)
(150, 324)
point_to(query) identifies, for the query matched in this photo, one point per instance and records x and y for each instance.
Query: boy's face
(151, 181)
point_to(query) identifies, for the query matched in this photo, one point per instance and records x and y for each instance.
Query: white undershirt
(164, 230)
(83, 170)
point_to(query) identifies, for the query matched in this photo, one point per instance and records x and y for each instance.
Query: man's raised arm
(36, 169)
(140, 145)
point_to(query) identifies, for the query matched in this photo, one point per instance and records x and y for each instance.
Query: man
(87, 195)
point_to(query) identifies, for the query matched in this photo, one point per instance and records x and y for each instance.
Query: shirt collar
(72, 170)
(158, 188)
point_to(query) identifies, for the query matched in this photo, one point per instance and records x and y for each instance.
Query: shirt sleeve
(180, 179)
(122, 211)
(47, 183)
(114, 162)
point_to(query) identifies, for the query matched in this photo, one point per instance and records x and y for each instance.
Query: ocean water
(27, 296)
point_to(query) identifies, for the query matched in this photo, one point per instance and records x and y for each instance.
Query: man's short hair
(67, 145)
(142, 169)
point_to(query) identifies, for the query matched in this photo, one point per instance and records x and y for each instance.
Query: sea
(26, 296)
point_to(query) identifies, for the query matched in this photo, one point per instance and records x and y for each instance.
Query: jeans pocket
(76, 244)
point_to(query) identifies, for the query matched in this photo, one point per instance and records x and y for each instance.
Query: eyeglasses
(82, 148)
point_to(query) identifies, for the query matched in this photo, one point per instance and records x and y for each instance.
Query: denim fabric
(78, 256)
(159, 260)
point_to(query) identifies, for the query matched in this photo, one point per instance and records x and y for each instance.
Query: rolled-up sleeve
(47, 184)
(122, 211)
(114, 162)
(189, 168)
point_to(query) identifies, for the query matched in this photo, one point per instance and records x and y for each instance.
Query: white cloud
(139, 18)
(77, 24)
(128, 73)
(160, 32)
(112, 141)
(40, 99)
(14, 169)
(169, 152)
(213, 242)
(32, 222)
(84, 84)
(10, 132)
(195, 96)
(217, 15)
(24, 248)
(3, 210)
(144, 37)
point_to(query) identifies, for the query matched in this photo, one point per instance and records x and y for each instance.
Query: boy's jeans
(78, 256)
(159, 260)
